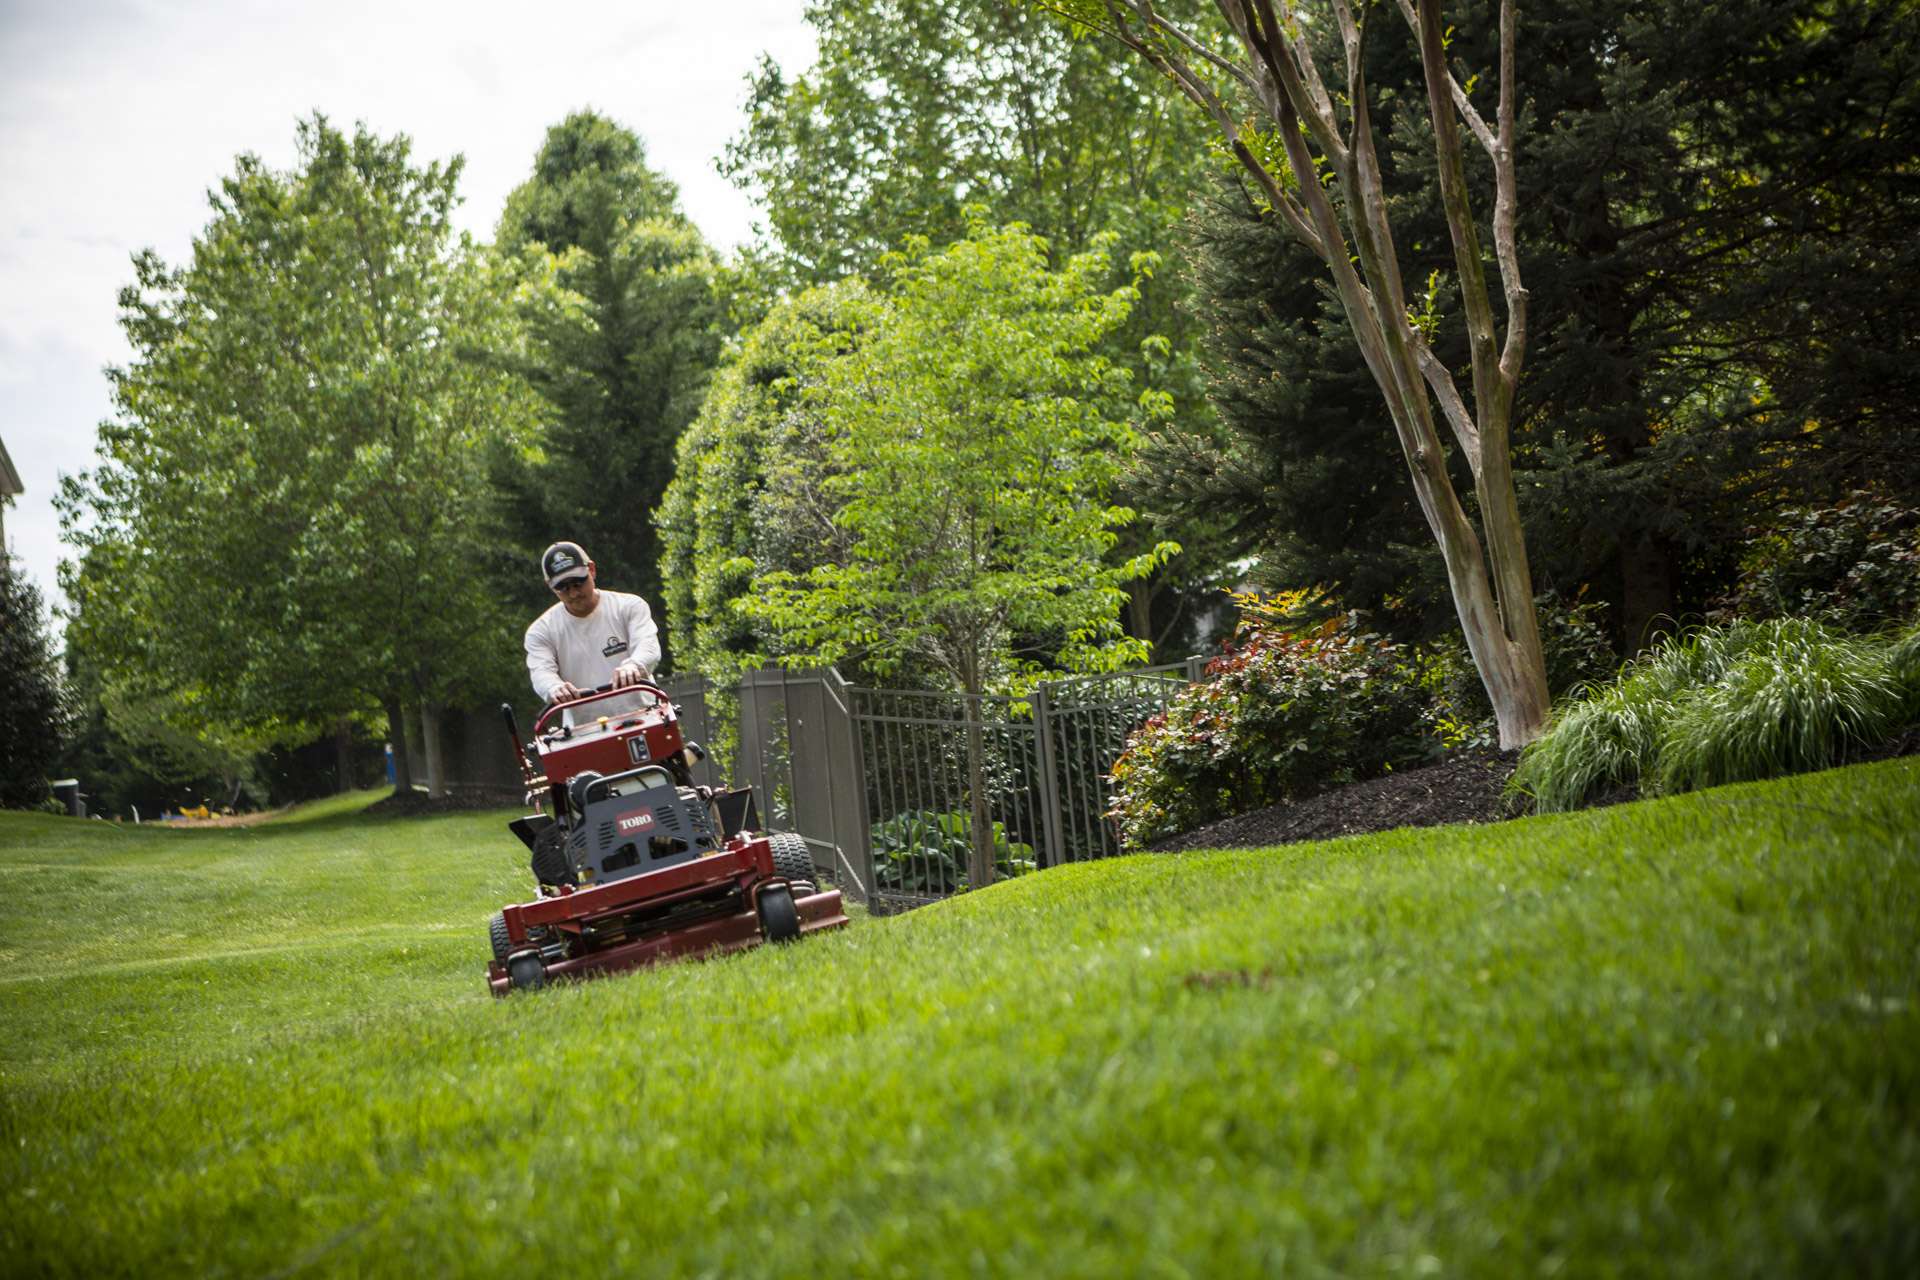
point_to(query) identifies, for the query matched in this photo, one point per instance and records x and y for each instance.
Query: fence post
(750, 763)
(1196, 669)
(847, 785)
(1053, 851)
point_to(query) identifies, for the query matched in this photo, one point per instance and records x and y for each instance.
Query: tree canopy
(971, 449)
(621, 352)
(282, 526)
(913, 111)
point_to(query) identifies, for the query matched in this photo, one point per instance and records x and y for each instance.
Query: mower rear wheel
(550, 863)
(526, 972)
(792, 859)
(497, 934)
(779, 918)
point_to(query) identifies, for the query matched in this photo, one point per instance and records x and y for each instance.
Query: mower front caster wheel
(779, 918)
(792, 859)
(526, 972)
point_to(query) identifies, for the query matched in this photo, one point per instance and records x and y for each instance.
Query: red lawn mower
(635, 863)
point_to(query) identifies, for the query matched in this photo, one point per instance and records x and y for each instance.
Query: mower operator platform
(635, 863)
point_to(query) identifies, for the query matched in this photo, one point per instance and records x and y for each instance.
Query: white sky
(116, 117)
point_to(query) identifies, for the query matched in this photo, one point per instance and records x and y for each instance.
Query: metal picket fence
(879, 781)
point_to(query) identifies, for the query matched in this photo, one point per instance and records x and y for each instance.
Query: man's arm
(643, 646)
(543, 665)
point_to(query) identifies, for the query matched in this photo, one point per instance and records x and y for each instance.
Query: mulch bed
(1467, 786)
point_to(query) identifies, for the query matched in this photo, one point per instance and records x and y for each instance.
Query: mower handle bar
(595, 695)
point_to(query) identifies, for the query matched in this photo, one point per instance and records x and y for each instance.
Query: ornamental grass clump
(1736, 703)
(1806, 700)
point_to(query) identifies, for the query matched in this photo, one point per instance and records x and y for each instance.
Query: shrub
(1854, 564)
(1282, 713)
(926, 852)
(1724, 704)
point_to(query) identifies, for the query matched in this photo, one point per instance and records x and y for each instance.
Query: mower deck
(711, 937)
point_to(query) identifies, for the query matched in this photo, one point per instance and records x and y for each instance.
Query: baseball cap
(563, 560)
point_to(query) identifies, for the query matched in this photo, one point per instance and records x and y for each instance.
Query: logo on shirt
(614, 645)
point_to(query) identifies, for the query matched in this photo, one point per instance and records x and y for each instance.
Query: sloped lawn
(1680, 1036)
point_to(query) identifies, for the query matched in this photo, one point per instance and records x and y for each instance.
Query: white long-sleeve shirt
(584, 651)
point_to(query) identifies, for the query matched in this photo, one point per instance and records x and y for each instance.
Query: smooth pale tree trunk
(430, 744)
(402, 753)
(1327, 133)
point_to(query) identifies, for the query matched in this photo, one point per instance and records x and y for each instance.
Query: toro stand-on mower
(635, 863)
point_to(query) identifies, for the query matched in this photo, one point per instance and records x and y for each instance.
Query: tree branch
(1468, 112)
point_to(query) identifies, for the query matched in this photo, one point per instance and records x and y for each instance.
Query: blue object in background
(389, 764)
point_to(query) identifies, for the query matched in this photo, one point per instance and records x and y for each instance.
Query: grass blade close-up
(1680, 1036)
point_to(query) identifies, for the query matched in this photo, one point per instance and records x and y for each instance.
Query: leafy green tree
(972, 452)
(33, 710)
(282, 526)
(745, 489)
(914, 110)
(622, 352)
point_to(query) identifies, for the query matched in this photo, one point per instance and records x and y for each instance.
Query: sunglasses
(569, 584)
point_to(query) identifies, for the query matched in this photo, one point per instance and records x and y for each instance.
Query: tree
(622, 353)
(1295, 467)
(971, 451)
(1318, 168)
(913, 111)
(734, 500)
(282, 527)
(1721, 213)
(33, 711)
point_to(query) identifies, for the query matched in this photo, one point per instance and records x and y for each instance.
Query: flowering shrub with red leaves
(1283, 712)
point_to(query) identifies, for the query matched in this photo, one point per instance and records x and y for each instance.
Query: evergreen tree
(622, 354)
(33, 714)
(1726, 209)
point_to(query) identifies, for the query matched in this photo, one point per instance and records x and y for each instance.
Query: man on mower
(590, 637)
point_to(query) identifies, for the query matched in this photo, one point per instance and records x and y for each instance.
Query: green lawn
(1681, 1036)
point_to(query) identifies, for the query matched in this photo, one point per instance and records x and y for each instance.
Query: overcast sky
(116, 116)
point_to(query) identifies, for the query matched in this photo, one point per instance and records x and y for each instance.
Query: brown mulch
(1467, 786)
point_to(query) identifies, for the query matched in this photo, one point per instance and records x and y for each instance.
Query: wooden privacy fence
(880, 782)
